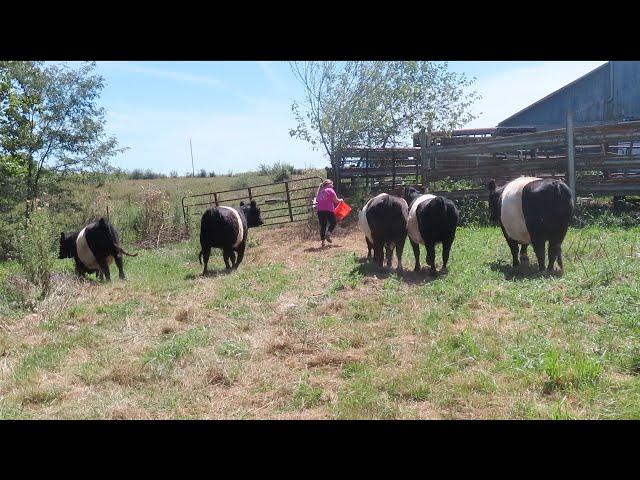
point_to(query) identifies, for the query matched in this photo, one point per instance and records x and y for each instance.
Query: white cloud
(509, 92)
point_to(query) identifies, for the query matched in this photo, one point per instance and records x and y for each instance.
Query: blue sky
(238, 114)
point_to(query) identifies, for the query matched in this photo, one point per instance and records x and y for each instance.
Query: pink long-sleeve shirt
(324, 200)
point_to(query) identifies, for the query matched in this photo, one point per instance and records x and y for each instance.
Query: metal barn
(608, 94)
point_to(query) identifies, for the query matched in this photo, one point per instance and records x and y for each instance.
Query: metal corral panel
(610, 93)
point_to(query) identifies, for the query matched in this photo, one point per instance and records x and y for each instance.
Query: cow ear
(102, 221)
(241, 204)
(61, 236)
(254, 204)
(491, 186)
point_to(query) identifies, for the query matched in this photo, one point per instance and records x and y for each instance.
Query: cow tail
(121, 250)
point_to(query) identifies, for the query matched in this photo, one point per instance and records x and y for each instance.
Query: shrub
(473, 211)
(37, 248)
(278, 172)
(155, 214)
(212, 174)
(148, 174)
(202, 173)
(173, 174)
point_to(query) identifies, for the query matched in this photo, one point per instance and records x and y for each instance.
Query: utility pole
(193, 170)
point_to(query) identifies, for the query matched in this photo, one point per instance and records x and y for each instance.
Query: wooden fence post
(571, 159)
(286, 186)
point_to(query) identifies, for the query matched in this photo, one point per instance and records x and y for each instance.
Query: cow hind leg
(104, 267)
(369, 248)
(118, 259)
(206, 253)
(552, 256)
(446, 249)
(431, 257)
(513, 245)
(378, 248)
(240, 254)
(560, 257)
(399, 249)
(524, 256)
(416, 254)
(555, 250)
(226, 255)
(539, 247)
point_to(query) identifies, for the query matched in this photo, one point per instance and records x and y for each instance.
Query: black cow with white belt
(226, 228)
(383, 220)
(432, 219)
(94, 248)
(532, 211)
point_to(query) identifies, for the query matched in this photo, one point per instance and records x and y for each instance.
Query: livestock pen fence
(281, 202)
(602, 160)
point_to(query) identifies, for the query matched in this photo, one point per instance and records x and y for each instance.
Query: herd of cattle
(530, 211)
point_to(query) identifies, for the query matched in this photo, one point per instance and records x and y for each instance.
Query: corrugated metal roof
(560, 90)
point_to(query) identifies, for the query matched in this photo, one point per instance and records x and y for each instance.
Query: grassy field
(300, 332)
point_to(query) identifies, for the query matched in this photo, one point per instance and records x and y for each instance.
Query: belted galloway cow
(93, 249)
(383, 220)
(432, 219)
(532, 211)
(226, 228)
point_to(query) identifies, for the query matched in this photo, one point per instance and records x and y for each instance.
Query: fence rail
(602, 159)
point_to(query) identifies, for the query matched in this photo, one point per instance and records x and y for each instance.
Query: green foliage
(603, 215)
(50, 123)
(473, 211)
(377, 103)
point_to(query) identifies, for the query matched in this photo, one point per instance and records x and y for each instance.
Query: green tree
(375, 104)
(50, 124)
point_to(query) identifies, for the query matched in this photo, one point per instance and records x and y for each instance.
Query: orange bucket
(341, 211)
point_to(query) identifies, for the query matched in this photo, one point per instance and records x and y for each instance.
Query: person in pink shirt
(325, 201)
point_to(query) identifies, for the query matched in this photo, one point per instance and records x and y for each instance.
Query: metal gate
(281, 202)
